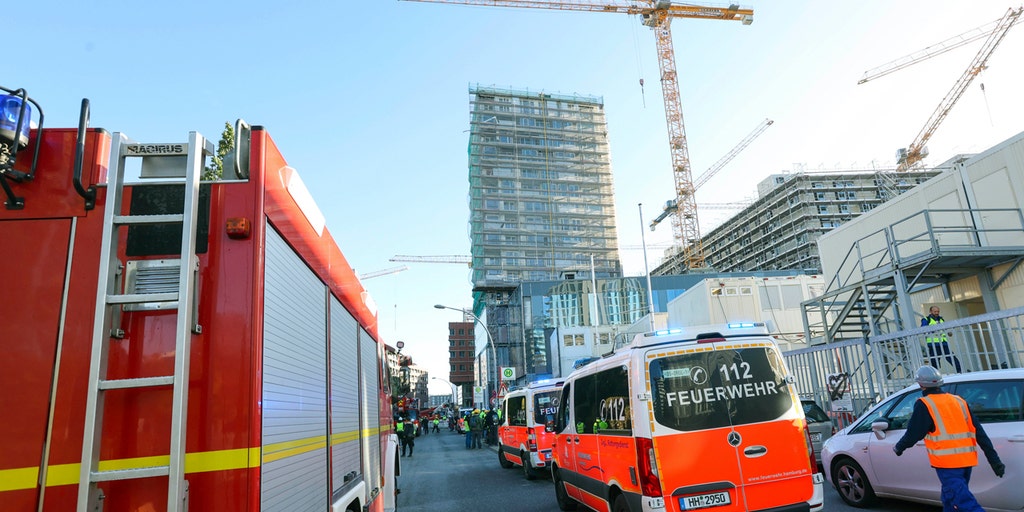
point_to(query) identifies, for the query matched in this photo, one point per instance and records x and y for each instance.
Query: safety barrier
(848, 377)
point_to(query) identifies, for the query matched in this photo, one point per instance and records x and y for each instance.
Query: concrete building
(780, 230)
(461, 354)
(540, 187)
(549, 325)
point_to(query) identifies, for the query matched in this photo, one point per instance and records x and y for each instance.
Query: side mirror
(879, 427)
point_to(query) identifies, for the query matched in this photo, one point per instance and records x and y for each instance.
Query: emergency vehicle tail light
(810, 448)
(650, 482)
(531, 441)
(15, 120)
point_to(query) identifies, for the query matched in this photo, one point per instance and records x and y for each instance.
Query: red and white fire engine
(170, 343)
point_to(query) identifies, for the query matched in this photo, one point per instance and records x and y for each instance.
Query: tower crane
(658, 15)
(673, 204)
(465, 260)
(936, 49)
(909, 157)
(383, 272)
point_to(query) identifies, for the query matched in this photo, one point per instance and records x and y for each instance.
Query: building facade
(780, 230)
(540, 186)
(461, 356)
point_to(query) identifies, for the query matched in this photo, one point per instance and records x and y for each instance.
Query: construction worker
(951, 434)
(476, 429)
(938, 343)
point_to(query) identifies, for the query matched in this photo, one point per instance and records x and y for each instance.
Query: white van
(704, 417)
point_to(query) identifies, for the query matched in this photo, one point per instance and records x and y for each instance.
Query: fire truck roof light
(10, 111)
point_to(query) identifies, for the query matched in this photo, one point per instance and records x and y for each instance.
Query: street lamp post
(454, 393)
(490, 341)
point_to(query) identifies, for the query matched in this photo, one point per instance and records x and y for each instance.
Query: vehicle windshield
(545, 406)
(813, 413)
(719, 388)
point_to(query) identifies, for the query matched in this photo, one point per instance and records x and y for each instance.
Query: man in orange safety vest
(951, 435)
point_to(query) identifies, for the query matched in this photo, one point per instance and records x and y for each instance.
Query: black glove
(999, 468)
(897, 451)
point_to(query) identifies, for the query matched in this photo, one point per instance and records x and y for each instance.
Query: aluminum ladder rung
(121, 220)
(140, 382)
(139, 298)
(129, 474)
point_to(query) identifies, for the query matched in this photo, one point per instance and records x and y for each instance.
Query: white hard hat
(928, 377)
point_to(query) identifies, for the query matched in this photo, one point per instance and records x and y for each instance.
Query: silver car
(860, 463)
(819, 425)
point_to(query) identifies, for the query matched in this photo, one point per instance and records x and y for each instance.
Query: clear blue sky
(369, 101)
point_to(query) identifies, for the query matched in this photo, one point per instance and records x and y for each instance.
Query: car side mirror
(879, 427)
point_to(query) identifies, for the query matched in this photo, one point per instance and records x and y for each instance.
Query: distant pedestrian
(436, 421)
(476, 428)
(938, 343)
(408, 439)
(490, 430)
(951, 435)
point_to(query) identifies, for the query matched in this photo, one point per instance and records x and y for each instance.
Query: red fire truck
(170, 343)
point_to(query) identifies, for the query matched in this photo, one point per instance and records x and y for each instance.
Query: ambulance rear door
(727, 428)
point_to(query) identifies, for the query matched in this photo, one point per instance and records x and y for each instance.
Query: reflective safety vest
(935, 337)
(400, 427)
(952, 444)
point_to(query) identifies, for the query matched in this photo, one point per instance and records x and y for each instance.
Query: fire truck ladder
(162, 161)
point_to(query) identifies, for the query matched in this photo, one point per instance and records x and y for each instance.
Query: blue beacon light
(12, 108)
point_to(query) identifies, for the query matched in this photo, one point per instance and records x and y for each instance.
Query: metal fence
(848, 377)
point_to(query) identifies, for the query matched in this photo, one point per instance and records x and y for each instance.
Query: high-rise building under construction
(540, 185)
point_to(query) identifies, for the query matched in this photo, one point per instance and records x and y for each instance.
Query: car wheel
(528, 471)
(852, 483)
(505, 463)
(562, 497)
(620, 504)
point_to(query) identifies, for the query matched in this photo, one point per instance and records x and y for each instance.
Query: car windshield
(814, 413)
(545, 405)
(718, 388)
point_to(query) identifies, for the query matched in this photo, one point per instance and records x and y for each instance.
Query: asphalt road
(443, 475)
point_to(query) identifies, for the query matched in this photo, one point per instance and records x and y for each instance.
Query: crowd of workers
(479, 426)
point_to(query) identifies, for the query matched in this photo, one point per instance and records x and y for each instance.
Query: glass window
(601, 401)
(516, 410)
(545, 406)
(563, 412)
(719, 388)
(899, 416)
(993, 401)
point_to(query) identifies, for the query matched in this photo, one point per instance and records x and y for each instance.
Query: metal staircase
(182, 163)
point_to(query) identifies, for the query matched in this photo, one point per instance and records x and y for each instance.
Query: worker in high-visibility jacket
(937, 342)
(951, 435)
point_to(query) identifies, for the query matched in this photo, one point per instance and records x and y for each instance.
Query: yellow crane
(658, 15)
(673, 204)
(910, 156)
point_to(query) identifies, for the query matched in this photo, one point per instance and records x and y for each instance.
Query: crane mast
(658, 15)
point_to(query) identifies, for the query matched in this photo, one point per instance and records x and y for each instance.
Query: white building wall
(772, 300)
(992, 179)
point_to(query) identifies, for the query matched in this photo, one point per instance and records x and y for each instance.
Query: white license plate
(815, 436)
(713, 499)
